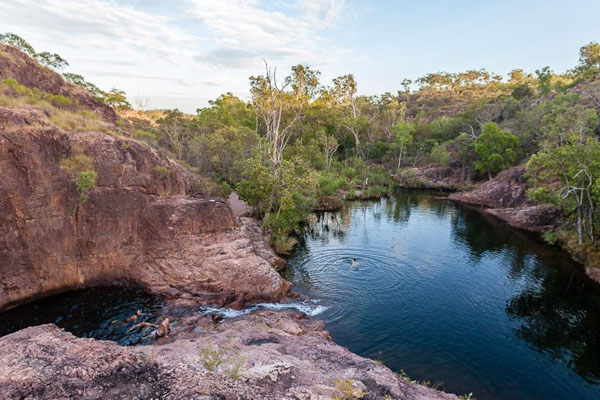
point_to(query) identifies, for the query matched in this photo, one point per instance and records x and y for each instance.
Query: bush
(85, 181)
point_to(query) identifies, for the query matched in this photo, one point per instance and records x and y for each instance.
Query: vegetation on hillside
(299, 139)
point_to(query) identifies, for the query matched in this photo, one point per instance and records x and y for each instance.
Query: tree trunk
(591, 217)
(579, 224)
(400, 158)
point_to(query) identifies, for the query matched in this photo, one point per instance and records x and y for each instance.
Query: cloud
(95, 25)
(178, 81)
(245, 33)
(161, 47)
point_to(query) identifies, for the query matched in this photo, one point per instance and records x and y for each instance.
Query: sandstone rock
(137, 226)
(507, 189)
(539, 218)
(45, 362)
(439, 178)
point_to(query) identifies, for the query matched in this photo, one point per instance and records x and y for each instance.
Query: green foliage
(440, 155)
(567, 174)
(257, 185)
(224, 151)
(212, 357)
(56, 100)
(551, 237)
(79, 80)
(85, 181)
(116, 98)
(345, 390)
(589, 61)
(45, 58)
(162, 172)
(496, 149)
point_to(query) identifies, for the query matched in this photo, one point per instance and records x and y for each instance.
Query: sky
(183, 53)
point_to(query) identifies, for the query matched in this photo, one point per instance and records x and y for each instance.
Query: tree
(568, 176)
(225, 151)
(496, 149)
(344, 91)
(51, 60)
(117, 98)
(403, 135)
(330, 146)
(544, 80)
(79, 80)
(589, 61)
(280, 105)
(174, 131)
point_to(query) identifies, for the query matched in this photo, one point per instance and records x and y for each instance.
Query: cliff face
(139, 224)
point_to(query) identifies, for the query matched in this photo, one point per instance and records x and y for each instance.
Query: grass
(58, 110)
(345, 390)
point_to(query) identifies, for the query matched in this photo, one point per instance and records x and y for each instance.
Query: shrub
(85, 181)
(345, 390)
(162, 172)
(212, 357)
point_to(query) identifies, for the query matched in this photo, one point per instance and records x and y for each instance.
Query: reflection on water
(454, 297)
(100, 312)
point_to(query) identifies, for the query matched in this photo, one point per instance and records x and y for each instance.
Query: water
(100, 313)
(453, 297)
(310, 307)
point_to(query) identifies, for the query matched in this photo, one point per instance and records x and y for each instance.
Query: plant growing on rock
(82, 167)
(345, 390)
(85, 181)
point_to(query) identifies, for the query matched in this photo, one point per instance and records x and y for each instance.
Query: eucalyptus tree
(280, 104)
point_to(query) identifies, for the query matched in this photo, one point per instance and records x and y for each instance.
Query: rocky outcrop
(137, 225)
(18, 66)
(538, 218)
(437, 178)
(507, 189)
(505, 197)
(266, 355)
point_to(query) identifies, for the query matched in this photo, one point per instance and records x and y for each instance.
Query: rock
(539, 218)
(137, 226)
(438, 178)
(45, 362)
(329, 203)
(507, 189)
(16, 65)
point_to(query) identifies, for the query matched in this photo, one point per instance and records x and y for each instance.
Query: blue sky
(183, 53)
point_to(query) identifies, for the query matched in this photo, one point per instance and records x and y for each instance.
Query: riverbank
(505, 198)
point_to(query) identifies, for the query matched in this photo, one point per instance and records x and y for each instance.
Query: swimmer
(135, 316)
(354, 262)
(162, 329)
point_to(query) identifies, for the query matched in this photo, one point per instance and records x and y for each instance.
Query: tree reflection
(560, 315)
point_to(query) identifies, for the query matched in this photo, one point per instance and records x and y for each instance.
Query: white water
(306, 307)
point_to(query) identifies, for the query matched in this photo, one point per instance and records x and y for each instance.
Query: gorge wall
(139, 224)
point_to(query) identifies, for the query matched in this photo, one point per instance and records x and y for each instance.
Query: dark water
(453, 297)
(99, 313)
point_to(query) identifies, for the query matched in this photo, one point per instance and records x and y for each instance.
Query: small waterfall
(307, 307)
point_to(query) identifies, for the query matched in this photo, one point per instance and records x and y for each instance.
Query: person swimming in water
(354, 263)
(162, 329)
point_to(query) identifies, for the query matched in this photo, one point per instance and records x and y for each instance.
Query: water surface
(453, 297)
(100, 313)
